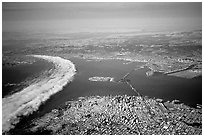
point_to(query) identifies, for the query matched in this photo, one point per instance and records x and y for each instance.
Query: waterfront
(159, 86)
(118, 115)
(102, 68)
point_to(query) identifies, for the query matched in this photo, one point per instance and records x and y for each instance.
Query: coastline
(37, 132)
(119, 115)
(30, 98)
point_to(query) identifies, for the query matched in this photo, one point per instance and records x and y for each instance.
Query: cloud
(30, 98)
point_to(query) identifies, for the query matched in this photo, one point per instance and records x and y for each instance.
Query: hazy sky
(101, 16)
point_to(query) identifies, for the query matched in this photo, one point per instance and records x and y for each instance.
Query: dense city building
(122, 114)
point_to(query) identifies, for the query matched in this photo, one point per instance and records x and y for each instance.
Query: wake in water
(30, 98)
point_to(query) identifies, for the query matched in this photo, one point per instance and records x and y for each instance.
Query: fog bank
(30, 98)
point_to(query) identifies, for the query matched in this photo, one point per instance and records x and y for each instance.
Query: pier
(179, 70)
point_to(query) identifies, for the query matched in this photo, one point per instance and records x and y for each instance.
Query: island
(101, 79)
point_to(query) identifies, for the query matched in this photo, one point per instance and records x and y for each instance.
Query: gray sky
(101, 16)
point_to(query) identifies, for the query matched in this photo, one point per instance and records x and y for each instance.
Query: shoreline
(35, 111)
(115, 114)
(29, 99)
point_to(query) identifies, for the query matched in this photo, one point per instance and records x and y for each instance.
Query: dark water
(188, 91)
(18, 74)
(158, 86)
